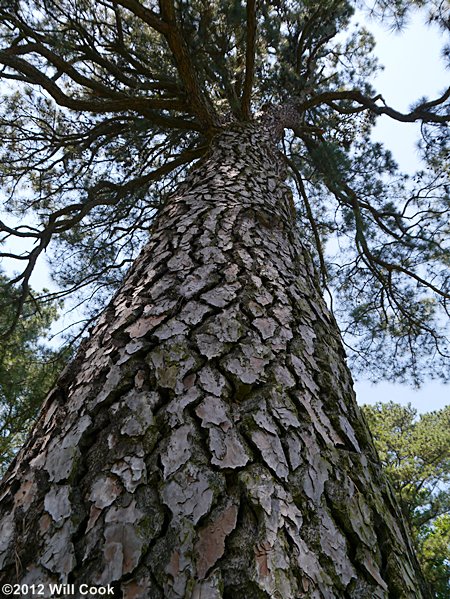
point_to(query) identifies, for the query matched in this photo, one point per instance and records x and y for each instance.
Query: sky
(413, 63)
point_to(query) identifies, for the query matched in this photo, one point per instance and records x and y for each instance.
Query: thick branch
(250, 50)
(146, 15)
(125, 103)
(65, 67)
(419, 113)
(196, 97)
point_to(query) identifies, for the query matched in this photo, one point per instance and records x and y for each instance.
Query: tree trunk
(206, 442)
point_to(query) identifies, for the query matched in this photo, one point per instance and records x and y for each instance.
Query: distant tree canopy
(415, 452)
(106, 104)
(28, 368)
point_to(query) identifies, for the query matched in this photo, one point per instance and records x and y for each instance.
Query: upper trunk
(206, 441)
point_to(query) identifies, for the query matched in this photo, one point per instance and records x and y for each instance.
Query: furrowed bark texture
(206, 442)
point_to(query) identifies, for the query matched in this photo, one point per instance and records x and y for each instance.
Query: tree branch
(196, 97)
(125, 103)
(419, 113)
(312, 221)
(250, 50)
(145, 14)
(57, 225)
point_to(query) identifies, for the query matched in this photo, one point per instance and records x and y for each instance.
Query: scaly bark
(206, 441)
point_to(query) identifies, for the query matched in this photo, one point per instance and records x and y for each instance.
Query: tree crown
(105, 105)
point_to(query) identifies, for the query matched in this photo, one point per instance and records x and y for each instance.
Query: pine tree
(205, 442)
(415, 453)
(28, 369)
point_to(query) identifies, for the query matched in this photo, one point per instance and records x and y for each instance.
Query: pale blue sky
(413, 63)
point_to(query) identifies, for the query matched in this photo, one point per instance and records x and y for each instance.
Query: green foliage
(397, 11)
(28, 368)
(416, 455)
(434, 553)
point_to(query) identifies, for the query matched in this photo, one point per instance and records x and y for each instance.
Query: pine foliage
(106, 104)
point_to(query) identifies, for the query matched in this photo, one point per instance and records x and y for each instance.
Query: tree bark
(206, 442)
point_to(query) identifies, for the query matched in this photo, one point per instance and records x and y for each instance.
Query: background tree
(206, 439)
(416, 455)
(434, 543)
(28, 369)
